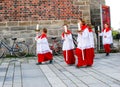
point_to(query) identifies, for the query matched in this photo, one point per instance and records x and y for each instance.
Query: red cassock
(68, 48)
(81, 61)
(89, 56)
(45, 57)
(107, 48)
(106, 39)
(80, 50)
(84, 50)
(43, 51)
(89, 51)
(69, 59)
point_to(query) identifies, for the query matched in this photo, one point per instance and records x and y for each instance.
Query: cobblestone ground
(24, 72)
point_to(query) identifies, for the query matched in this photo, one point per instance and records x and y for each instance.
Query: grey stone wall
(95, 11)
(25, 30)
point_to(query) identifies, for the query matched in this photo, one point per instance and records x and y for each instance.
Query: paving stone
(1, 83)
(26, 73)
(63, 77)
(53, 79)
(114, 85)
(69, 83)
(89, 79)
(58, 72)
(33, 77)
(98, 85)
(115, 75)
(17, 75)
(17, 85)
(8, 85)
(82, 85)
(9, 75)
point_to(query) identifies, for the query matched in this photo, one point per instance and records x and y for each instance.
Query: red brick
(38, 10)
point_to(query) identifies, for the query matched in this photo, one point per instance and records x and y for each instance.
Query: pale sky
(115, 13)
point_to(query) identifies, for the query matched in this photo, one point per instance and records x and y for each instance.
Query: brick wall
(27, 10)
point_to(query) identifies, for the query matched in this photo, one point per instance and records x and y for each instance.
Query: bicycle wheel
(58, 51)
(2, 51)
(20, 49)
(33, 50)
(58, 48)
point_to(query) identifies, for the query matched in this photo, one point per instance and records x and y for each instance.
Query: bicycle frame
(10, 49)
(19, 49)
(55, 46)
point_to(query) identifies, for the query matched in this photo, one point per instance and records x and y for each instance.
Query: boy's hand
(105, 36)
(80, 32)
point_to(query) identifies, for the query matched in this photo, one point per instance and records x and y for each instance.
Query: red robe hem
(81, 61)
(45, 57)
(89, 56)
(70, 56)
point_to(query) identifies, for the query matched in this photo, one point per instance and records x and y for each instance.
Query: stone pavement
(24, 73)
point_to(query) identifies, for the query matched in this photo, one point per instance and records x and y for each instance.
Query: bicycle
(19, 49)
(56, 46)
(33, 49)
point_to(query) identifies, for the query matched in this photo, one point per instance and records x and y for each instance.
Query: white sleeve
(36, 38)
(109, 34)
(78, 38)
(42, 41)
(85, 33)
(101, 34)
(69, 37)
(91, 39)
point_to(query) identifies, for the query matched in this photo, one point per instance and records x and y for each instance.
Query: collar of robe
(90, 29)
(83, 27)
(68, 32)
(42, 36)
(106, 29)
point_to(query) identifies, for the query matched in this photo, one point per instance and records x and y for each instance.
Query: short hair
(44, 30)
(83, 21)
(65, 25)
(89, 25)
(107, 24)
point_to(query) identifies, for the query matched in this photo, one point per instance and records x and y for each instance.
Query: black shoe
(107, 54)
(70, 64)
(50, 61)
(78, 66)
(89, 66)
(38, 63)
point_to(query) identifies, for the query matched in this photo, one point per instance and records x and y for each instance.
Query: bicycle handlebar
(53, 38)
(3, 38)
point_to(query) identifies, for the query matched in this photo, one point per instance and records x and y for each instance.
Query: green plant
(114, 33)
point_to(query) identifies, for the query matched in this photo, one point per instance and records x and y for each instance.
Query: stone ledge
(12, 23)
(79, 2)
(34, 22)
(24, 23)
(3, 24)
(17, 28)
